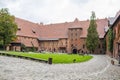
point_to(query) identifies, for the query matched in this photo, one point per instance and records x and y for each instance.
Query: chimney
(41, 23)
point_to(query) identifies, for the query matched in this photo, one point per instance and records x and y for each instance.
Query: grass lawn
(57, 58)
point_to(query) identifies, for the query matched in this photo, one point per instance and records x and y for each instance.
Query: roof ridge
(25, 20)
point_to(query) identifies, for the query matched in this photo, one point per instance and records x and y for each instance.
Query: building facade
(116, 40)
(68, 37)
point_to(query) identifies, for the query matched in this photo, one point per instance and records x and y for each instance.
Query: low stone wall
(23, 57)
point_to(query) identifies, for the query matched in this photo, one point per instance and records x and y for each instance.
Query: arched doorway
(74, 51)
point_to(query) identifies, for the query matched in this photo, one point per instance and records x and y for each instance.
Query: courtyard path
(98, 68)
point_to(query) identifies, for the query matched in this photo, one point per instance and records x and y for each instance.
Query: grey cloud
(80, 1)
(52, 11)
(2, 4)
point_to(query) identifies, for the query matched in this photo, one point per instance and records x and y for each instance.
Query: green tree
(8, 27)
(110, 40)
(92, 40)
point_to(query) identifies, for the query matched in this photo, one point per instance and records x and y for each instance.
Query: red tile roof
(56, 31)
(101, 24)
(61, 30)
(26, 28)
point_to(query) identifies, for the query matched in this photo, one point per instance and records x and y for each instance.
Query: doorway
(74, 51)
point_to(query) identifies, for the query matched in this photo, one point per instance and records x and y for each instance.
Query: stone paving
(98, 68)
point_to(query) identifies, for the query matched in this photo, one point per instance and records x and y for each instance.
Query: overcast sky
(56, 11)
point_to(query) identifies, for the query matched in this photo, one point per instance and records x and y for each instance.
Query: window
(33, 31)
(75, 34)
(83, 46)
(118, 30)
(114, 33)
(75, 29)
(66, 42)
(75, 44)
(78, 30)
(19, 29)
(71, 45)
(100, 52)
(99, 46)
(71, 34)
(103, 46)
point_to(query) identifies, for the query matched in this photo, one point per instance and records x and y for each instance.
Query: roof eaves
(48, 39)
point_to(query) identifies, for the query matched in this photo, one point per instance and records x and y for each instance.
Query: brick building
(60, 37)
(116, 41)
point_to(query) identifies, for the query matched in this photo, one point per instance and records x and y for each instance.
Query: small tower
(76, 20)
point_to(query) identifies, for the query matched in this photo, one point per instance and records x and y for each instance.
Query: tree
(8, 27)
(110, 40)
(92, 40)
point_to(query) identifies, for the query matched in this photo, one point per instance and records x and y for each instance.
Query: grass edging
(49, 58)
(24, 57)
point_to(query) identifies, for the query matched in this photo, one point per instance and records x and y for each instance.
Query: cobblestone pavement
(98, 68)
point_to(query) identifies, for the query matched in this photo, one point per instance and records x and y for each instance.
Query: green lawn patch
(57, 58)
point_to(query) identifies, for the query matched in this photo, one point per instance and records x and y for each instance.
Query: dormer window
(33, 31)
(19, 29)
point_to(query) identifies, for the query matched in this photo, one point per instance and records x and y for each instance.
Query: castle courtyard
(98, 68)
(59, 39)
